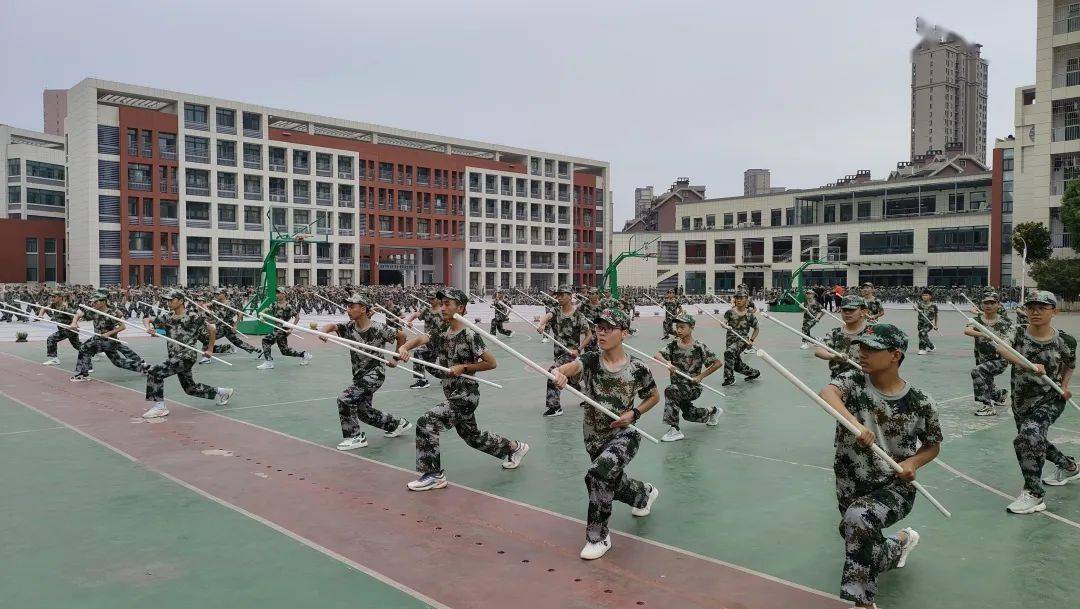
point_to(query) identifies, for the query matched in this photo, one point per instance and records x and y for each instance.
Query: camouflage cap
(684, 318)
(867, 284)
(358, 298)
(883, 336)
(741, 294)
(456, 295)
(280, 289)
(170, 294)
(1041, 297)
(99, 295)
(989, 296)
(562, 289)
(852, 301)
(593, 291)
(613, 316)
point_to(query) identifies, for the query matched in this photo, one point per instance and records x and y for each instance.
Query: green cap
(96, 296)
(1041, 297)
(170, 294)
(615, 317)
(684, 318)
(562, 289)
(852, 301)
(990, 296)
(883, 336)
(741, 294)
(358, 298)
(456, 295)
(280, 289)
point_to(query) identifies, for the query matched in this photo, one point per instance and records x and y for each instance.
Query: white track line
(15, 433)
(735, 452)
(959, 397)
(353, 455)
(987, 487)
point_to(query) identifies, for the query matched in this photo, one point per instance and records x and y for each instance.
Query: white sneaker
(403, 425)
(304, 361)
(359, 441)
(156, 411)
(1061, 476)
(672, 435)
(803, 347)
(427, 482)
(52, 361)
(594, 550)
(205, 360)
(714, 418)
(922, 352)
(908, 546)
(513, 460)
(644, 511)
(1026, 503)
(266, 366)
(79, 378)
(545, 340)
(224, 394)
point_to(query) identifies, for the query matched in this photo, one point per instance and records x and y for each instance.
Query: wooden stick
(875, 448)
(537, 367)
(375, 349)
(171, 340)
(239, 312)
(928, 320)
(847, 358)
(674, 369)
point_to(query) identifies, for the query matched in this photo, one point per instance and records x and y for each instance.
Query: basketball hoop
(302, 236)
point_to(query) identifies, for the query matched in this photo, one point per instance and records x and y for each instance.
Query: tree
(1037, 237)
(1059, 275)
(1070, 211)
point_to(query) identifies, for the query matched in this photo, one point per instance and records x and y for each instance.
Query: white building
(34, 174)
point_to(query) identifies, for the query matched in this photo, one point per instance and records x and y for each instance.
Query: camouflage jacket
(499, 307)
(463, 347)
(101, 323)
(811, 311)
(614, 390)
(873, 307)
(986, 349)
(376, 335)
(901, 423)
(927, 314)
(568, 329)
(839, 339)
(743, 324)
(588, 311)
(188, 329)
(1057, 355)
(390, 321)
(690, 360)
(434, 326)
(671, 308)
(68, 314)
(281, 311)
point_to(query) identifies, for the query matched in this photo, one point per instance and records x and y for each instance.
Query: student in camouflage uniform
(853, 312)
(571, 328)
(122, 356)
(740, 319)
(812, 314)
(395, 310)
(501, 316)
(186, 328)
(280, 336)
(227, 330)
(434, 327)
(695, 359)
(671, 309)
(463, 352)
(1037, 406)
(988, 363)
(926, 319)
(58, 301)
(903, 421)
(354, 404)
(589, 309)
(874, 308)
(613, 378)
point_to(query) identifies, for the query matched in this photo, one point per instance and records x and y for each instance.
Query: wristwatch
(637, 413)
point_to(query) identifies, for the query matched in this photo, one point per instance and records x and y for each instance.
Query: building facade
(175, 188)
(948, 96)
(756, 182)
(34, 174)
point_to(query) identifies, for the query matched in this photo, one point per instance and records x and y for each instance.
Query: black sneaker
(554, 411)
(727, 382)
(753, 375)
(421, 383)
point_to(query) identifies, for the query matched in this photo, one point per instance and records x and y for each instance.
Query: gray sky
(706, 89)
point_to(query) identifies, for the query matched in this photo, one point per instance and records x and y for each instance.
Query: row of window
(36, 169)
(36, 196)
(35, 271)
(947, 276)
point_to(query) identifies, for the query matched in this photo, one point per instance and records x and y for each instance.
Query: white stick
(239, 312)
(404, 323)
(156, 309)
(537, 367)
(923, 315)
(847, 359)
(337, 340)
(875, 448)
(60, 325)
(421, 300)
(674, 369)
(222, 321)
(321, 297)
(727, 327)
(171, 340)
(823, 309)
(536, 327)
(374, 348)
(15, 311)
(536, 300)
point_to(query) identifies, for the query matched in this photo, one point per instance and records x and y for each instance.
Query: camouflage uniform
(278, 336)
(122, 356)
(743, 324)
(840, 340)
(434, 326)
(61, 334)
(810, 317)
(1036, 406)
(354, 403)
(188, 329)
(869, 495)
(392, 323)
(988, 363)
(227, 332)
(589, 311)
(501, 317)
(680, 394)
(927, 312)
(611, 450)
(873, 307)
(567, 329)
(671, 309)
(458, 411)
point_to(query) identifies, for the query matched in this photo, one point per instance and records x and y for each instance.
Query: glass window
(729, 220)
(845, 212)
(32, 259)
(865, 210)
(755, 218)
(14, 194)
(887, 242)
(775, 217)
(686, 223)
(710, 221)
(958, 239)
(14, 167)
(48, 171)
(53, 198)
(194, 113)
(226, 117)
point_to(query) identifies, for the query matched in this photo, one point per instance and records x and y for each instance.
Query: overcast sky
(706, 89)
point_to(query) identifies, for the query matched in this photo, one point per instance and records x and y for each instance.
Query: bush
(1059, 275)
(20, 337)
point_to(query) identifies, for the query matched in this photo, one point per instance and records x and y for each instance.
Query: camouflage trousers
(733, 362)
(668, 329)
(553, 394)
(867, 552)
(807, 325)
(354, 406)
(59, 336)
(1032, 447)
(281, 339)
(121, 356)
(229, 334)
(679, 398)
(607, 482)
(461, 415)
(181, 367)
(497, 326)
(982, 381)
(426, 353)
(925, 344)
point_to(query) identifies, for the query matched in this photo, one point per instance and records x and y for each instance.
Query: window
(139, 176)
(227, 213)
(724, 280)
(789, 216)
(32, 259)
(865, 210)
(279, 218)
(697, 224)
(729, 220)
(252, 215)
(887, 242)
(956, 202)
(781, 249)
(845, 212)
(886, 278)
(140, 241)
(957, 275)
(47, 171)
(741, 217)
(958, 239)
(710, 221)
(252, 123)
(910, 206)
(978, 200)
(686, 223)
(226, 117)
(148, 208)
(755, 218)
(14, 167)
(194, 113)
(52, 198)
(198, 246)
(14, 194)
(168, 209)
(198, 210)
(830, 214)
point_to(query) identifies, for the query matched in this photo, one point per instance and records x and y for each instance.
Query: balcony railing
(324, 260)
(345, 232)
(40, 180)
(1065, 134)
(230, 129)
(543, 265)
(324, 230)
(228, 161)
(345, 175)
(302, 169)
(255, 133)
(491, 239)
(140, 185)
(168, 154)
(164, 221)
(564, 242)
(325, 172)
(535, 217)
(253, 195)
(279, 196)
(197, 157)
(197, 126)
(226, 225)
(345, 202)
(277, 166)
(321, 200)
(301, 258)
(1066, 79)
(193, 223)
(692, 260)
(725, 259)
(506, 239)
(226, 192)
(1061, 240)
(564, 265)
(474, 188)
(564, 175)
(252, 162)
(1064, 22)
(564, 196)
(198, 255)
(253, 226)
(549, 242)
(345, 259)
(198, 191)
(301, 199)
(520, 192)
(239, 257)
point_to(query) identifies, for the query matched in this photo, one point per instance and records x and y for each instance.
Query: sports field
(250, 504)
